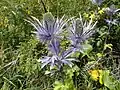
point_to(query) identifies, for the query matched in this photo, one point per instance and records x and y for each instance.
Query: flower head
(80, 31)
(57, 58)
(114, 21)
(112, 10)
(97, 2)
(50, 28)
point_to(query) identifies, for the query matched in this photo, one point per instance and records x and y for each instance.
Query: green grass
(20, 50)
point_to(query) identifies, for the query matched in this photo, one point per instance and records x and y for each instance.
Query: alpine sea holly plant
(80, 31)
(50, 31)
(111, 11)
(97, 2)
(58, 57)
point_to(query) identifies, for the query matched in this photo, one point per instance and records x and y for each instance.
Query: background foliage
(19, 49)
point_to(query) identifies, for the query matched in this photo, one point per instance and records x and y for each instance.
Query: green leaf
(9, 81)
(99, 55)
(108, 46)
(47, 72)
(86, 48)
(58, 86)
(5, 86)
(108, 80)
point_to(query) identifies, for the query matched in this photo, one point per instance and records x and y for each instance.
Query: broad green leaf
(86, 48)
(108, 80)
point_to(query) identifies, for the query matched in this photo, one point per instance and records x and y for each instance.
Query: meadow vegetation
(80, 52)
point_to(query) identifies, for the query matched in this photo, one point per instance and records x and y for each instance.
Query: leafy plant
(90, 48)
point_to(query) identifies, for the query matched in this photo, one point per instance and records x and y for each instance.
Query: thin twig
(45, 9)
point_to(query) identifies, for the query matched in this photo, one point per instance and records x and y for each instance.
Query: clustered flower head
(79, 32)
(97, 2)
(110, 11)
(50, 30)
(58, 57)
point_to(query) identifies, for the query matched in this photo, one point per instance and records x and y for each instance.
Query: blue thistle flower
(111, 10)
(114, 21)
(79, 32)
(57, 58)
(97, 2)
(49, 29)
